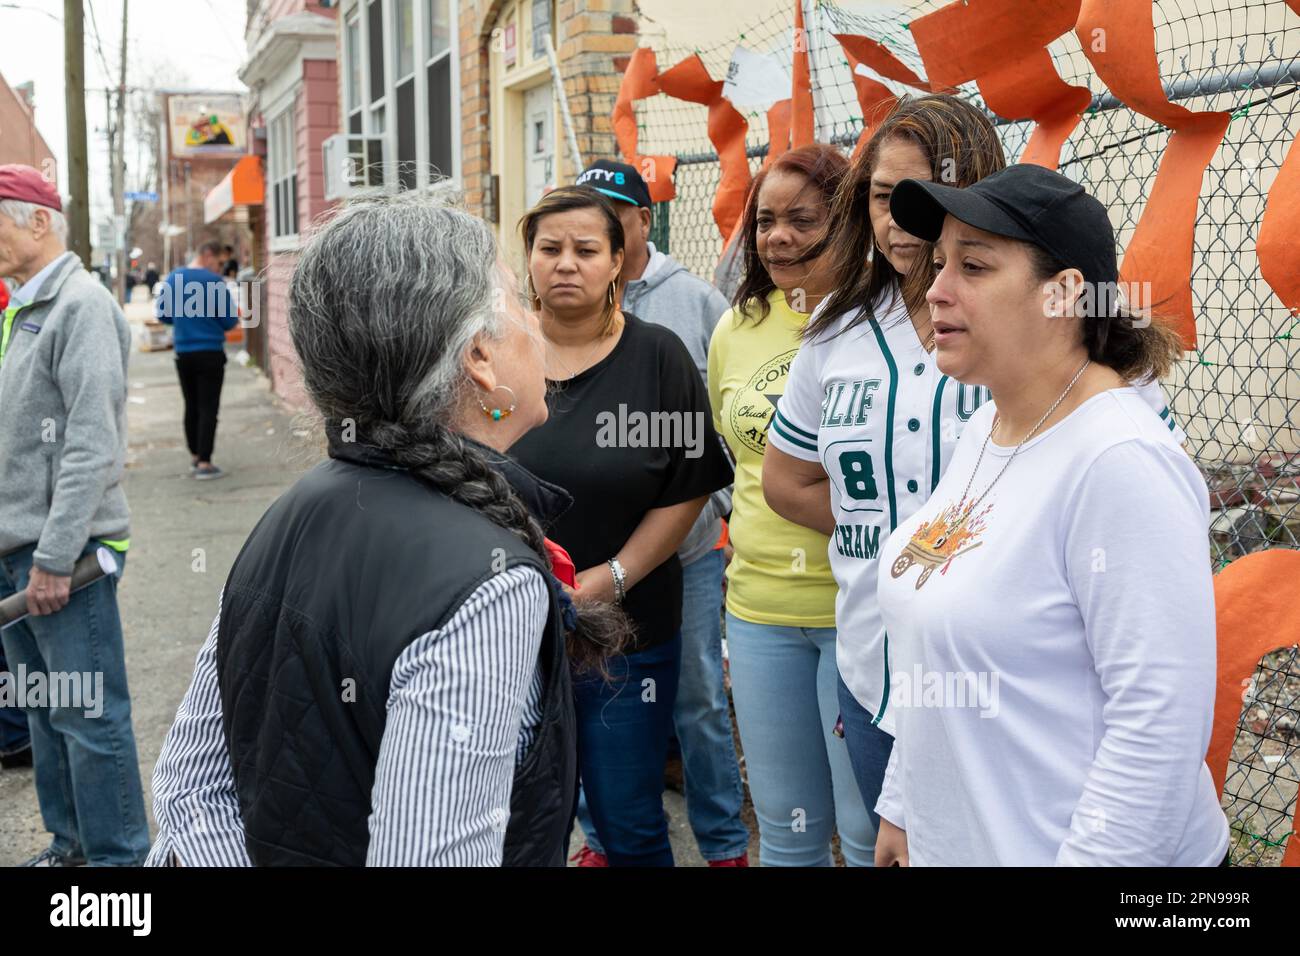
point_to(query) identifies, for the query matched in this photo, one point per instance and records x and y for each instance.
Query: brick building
(514, 144)
(20, 141)
(292, 72)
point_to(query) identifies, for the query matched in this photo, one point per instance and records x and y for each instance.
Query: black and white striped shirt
(464, 705)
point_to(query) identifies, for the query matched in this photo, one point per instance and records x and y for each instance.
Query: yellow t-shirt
(780, 573)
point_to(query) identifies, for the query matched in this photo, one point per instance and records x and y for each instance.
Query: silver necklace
(587, 358)
(1046, 415)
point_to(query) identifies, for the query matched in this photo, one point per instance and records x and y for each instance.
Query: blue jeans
(86, 768)
(868, 747)
(14, 736)
(702, 719)
(623, 728)
(783, 686)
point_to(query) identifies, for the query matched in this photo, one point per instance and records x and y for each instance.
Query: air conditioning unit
(353, 163)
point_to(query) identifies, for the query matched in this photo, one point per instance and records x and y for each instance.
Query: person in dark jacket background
(386, 680)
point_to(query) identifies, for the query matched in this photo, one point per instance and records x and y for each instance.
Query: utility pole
(119, 173)
(74, 83)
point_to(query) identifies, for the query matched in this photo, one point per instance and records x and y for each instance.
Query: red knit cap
(28, 185)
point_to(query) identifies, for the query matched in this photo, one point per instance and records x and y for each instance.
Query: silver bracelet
(620, 580)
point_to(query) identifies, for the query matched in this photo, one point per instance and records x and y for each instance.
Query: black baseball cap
(1025, 202)
(616, 180)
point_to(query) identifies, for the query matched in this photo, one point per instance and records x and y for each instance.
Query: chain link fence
(1235, 396)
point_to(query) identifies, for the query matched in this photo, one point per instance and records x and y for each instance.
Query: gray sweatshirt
(63, 420)
(668, 294)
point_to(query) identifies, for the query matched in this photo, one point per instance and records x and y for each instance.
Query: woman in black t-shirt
(630, 436)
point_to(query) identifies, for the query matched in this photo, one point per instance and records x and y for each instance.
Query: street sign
(141, 197)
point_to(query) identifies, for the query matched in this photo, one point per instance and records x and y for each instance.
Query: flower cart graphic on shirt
(939, 541)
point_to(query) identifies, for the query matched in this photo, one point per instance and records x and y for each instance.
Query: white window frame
(281, 166)
(353, 99)
(388, 100)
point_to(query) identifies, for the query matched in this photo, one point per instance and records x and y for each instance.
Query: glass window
(407, 164)
(440, 118)
(439, 34)
(404, 37)
(375, 27)
(541, 26)
(282, 171)
(353, 52)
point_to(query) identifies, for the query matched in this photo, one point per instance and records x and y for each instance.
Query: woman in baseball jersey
(868, 421)
(780, 592)
(1051, 608)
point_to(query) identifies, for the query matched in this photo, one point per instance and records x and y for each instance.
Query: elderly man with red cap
(64, 346)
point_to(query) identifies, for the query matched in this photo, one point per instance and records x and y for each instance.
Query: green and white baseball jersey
(873, 408)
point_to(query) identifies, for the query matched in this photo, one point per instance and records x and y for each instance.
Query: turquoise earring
(496, 414)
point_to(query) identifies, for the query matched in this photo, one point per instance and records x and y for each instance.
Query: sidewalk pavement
(185, 535)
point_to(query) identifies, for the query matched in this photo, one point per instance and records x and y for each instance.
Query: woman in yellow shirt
(780, 591)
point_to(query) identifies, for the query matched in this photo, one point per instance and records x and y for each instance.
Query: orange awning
(243, 186)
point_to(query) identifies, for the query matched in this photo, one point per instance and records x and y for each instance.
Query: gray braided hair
(386, 300)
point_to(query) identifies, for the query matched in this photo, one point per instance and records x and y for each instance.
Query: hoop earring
(611, 293)
(496, 414)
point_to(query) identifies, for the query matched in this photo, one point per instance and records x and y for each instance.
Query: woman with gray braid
(386, 682)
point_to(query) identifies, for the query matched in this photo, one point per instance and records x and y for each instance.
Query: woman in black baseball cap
(1067, 588)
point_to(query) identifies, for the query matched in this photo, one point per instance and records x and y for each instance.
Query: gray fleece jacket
(63, 420)
(668, 294)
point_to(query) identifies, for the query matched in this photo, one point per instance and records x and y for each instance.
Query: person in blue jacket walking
(194, 300)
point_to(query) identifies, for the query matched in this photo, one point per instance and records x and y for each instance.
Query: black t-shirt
(632, 433)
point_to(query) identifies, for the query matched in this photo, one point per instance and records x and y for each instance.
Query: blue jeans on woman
(868, 747)
(783, 686)
(702, 720)
(86, 769)
(623, 728)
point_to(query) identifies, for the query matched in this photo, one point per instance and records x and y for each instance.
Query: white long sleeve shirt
(1053, 671)
(464, 706)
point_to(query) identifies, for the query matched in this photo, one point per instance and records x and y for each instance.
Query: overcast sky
(190, 43)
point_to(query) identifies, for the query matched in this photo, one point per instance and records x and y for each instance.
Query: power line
(99, 49)
(221, 22)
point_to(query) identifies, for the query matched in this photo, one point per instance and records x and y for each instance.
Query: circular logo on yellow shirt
(752, 408)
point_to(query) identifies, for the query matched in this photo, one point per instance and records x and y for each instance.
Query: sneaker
(589, 857)
(19, 758)
(50, 858)
(207, 472)
(742, 860)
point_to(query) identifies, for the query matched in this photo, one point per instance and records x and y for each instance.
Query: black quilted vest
(341, 574)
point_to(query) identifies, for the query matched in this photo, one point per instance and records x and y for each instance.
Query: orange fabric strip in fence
(874, 98)
(640, 81)
(802, 126)
(778, 130)
(1028, 87)
(965, 40)
(1003, 46)
(1118, 38)
(689, 80)
(1277, 247)
(1257, 613)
